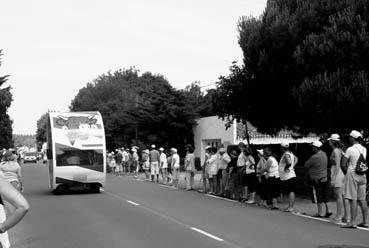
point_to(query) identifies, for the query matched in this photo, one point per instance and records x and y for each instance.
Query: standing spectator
(317, 168)
(146, 163)
(20, 205)
(287, 174)
(213, 170)
(190, 167)
(119, 162)
(111, 162)
(163, 165)
(154, 163)
(241, 167)
(250, 175)
(135, 165)
(205, 168)
(169, 160)
(12, 170)
(232, 170)
(272, 174)
(125, 159)
(175, 167)
(337, 176)
(224, 160)
(354, 188)
(262, 180)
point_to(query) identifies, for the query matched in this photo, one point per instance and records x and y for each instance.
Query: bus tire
(60, 189)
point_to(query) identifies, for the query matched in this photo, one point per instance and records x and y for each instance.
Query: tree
(305, 68)
(6, 98)
(41, 131)
(147, 102)
(24, 140)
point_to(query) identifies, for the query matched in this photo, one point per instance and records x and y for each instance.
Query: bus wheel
(61, 189)
(95, 188)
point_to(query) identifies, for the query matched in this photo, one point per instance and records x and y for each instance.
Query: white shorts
(154, 166)
(119, 168)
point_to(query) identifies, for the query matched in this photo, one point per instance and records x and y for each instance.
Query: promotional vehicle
(76, 151)
(30, 157)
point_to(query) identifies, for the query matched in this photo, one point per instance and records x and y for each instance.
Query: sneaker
(250, 202)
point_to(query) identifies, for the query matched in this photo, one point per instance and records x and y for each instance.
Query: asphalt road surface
(131, 213)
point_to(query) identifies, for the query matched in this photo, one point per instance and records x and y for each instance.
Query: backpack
(361, 166)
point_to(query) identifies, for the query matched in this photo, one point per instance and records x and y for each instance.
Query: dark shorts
(289, 185)
(321, 192)
(241, 180)
(251, 182)
(273, 186)
(219, 174)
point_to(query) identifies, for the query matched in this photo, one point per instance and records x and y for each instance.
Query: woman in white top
(337, 176)
(175, 167)
(190, 167)
(12, 171)
(9, 194)
(272, 174)
(163, 165)
(213, 169)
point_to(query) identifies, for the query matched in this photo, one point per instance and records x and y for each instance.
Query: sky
(54, 48)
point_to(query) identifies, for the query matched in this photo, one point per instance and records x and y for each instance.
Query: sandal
(317, 216)
(349, 226)
(364, 225)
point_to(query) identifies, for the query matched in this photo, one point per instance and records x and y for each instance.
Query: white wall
(212, 130)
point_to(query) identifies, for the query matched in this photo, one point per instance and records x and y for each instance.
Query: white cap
(161, 149)
(145, 151)
(334, 137)
(222, 149)
(174, 150)
(261, 151)
(153, 146)
(285, 144)
(355, 134)
(134, 150)
(207, 147)
(317, 144)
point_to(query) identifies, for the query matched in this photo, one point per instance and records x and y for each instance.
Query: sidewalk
(302, 205)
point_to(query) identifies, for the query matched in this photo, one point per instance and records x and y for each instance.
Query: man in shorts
(154, 156)
(317, 168)
(119, 162)
(354, 188)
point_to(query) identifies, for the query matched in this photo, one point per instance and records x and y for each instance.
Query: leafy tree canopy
(128, 100)
(41, 130)
(6, 98)
(305, 68)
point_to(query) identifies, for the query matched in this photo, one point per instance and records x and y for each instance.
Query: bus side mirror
(49, 154)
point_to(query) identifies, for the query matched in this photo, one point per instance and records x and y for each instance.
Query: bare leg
(364, 210)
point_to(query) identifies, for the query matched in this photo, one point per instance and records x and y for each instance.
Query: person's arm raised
(11, 195)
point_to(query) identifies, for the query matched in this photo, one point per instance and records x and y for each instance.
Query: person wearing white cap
(354, 188)
(317, 168)
(213, 170)
(189, 167)
(224, 160)
(337, 176)
(111, 162)
(272, 175)
(175, 166)
(163, 165)
(287, 174)
(154, 163)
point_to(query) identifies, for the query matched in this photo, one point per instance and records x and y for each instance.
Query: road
(131, 213)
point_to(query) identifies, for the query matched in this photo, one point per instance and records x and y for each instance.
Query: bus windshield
(82, 158)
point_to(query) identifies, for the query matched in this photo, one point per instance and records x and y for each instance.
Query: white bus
(76, 151)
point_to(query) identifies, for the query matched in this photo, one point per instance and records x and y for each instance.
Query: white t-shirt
(353, 154)
(163, 160)
(213, 164)
(272, 164)
(175, 161)
(241, 161)
(224, 161)
(287, 156)
(250, 164)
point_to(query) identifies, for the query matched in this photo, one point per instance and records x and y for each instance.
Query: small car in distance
(30, 157)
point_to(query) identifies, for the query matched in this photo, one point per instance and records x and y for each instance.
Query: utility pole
(136, 128)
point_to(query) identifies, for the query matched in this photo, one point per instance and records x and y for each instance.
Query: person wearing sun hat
(337, 176)
(262, 185)
(317, 166)
(287, 174)
(354, 188)
(163, 167)
(175, 166)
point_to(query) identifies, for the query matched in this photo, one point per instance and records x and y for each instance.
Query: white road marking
(133, 203)
(207, 234)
